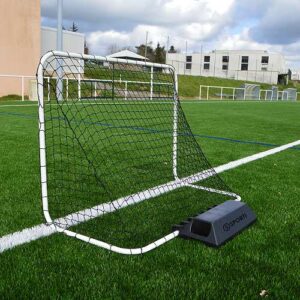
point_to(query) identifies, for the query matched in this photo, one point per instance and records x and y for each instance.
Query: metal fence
(15, 84)
(240, 93)
(19, 85)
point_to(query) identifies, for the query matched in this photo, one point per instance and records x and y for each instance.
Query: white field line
(31, 234)
(18, 105)
(155, 102)
(158, 102)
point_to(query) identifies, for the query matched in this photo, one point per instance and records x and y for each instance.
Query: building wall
(23, 42)
(296, 75)
(256, 70)
(72, 41)
(20, 42)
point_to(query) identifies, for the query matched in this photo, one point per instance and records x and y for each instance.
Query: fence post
(48, 87)
(126, 89)
(221, 93)
(151, 84)
(207, 93)
(22, 80)
(79, 86)
(67, 88)
(200, 92)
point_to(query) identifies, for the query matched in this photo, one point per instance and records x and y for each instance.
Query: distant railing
(207, 92)
(22, 79)
(94, 82)
(24, 91)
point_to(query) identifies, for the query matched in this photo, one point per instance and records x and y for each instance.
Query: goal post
(118, 172)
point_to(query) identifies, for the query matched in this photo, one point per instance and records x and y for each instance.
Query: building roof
(126, 54)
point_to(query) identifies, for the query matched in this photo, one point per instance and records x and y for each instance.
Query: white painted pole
(201, 60)
(59, 47)
(48, 87)
(146, 46)
(79, 86)
(22, 88)
(151, 84)
(67, 88)
(167, 50)
(126, 89)
(200, 92)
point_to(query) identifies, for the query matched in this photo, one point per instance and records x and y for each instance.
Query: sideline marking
(34, 117)
(159, 102)
(31, 234)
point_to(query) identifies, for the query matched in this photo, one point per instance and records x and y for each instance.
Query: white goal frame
(78, 217)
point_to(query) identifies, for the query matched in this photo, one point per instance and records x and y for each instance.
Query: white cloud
(243, 41)
(126, 22)
(280, 23)
(216, 24)
(156, 12)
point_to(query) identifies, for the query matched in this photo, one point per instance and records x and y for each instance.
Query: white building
(72, 41)
(246, 65)
(295, 75)
(126, 54)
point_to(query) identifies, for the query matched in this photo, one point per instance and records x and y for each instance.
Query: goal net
(119, 163)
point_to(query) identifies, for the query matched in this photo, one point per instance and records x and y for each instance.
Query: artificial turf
(265, 257)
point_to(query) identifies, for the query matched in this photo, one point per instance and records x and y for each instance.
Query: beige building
(20, 48)
(23, 42)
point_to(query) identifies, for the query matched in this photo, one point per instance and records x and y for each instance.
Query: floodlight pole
(146, 46)
(59, 47)
(167, 50)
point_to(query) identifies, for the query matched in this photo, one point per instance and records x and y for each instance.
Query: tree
(113, 48)
(172, 50)
(74, 27)
(141, 50)
(159, 54)
(86, 47)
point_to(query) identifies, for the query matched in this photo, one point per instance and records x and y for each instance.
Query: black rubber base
(219, 224)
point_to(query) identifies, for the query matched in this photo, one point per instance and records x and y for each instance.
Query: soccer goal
(120, 166)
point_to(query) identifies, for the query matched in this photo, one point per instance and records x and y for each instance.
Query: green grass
(12, 97)
(263, 257)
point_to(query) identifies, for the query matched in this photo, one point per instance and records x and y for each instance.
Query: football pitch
(264, 257)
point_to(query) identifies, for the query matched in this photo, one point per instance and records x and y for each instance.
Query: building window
(207, 59)
(225, 67)
(189, 59)
(245, 59)
(206, 66)
(225, 59)
(188, 66)
(265, 60)
(244, 67)
(264, 68)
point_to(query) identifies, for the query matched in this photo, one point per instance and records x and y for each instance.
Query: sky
(271, 25)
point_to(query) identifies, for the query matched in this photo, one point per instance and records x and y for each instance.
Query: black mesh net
(120, 153)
